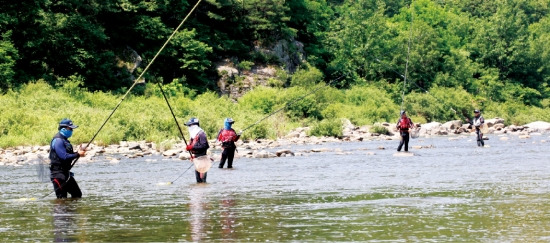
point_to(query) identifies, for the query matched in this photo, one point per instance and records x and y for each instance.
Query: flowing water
(452, 192)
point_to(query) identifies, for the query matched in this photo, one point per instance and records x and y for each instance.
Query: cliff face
(235, 81)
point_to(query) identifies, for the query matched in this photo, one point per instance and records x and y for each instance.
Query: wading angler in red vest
(227, 137)
(404, 124)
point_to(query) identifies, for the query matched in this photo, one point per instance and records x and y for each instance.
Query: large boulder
(492, 122)
(538, 126)
(452, 125)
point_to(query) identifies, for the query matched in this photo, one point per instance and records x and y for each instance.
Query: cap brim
(73, 126)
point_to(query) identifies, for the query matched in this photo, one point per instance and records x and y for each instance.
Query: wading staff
(138, 78)
(290, 103)
(179, 128)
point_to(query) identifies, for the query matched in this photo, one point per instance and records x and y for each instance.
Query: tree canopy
(499, 50)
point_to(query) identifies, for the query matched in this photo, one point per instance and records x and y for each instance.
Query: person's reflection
(227, 218)
(197, 209)
(64, 220)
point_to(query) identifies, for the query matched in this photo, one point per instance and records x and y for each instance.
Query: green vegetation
(460, 55)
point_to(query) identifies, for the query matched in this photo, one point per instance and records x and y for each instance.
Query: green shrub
(327, 127)
(307, 77)
(377, 128)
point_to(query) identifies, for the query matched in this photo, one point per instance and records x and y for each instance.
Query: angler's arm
(61, 151)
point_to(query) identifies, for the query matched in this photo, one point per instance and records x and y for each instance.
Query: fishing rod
(136, 81)
(179, 128)
(290, 103)
(418, 86)
(408, 55)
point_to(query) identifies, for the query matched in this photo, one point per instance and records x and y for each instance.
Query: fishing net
(42, 169)
(415, 132)
(202, 163)
(484, 128)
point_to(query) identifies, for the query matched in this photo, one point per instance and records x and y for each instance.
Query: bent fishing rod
(290, 103)
(137, 80)
(179, 128)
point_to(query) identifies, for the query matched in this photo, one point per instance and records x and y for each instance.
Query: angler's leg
(230, 156)
(406, 140)
(401, 143)
(198, 177)
(73, 189)
(224, 157)
(58, 187)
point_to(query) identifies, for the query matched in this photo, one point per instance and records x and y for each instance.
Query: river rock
(284, 152)
(403, 154)
(171, 152)
(452, 125)
(538, 126)
(493, 121)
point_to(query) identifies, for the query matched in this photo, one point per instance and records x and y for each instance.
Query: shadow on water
(451, 191)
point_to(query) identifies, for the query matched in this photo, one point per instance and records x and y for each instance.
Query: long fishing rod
(290, 103)
(418, 86)
(179, 128)
(131, 87)
(139, 78)
(408, 55)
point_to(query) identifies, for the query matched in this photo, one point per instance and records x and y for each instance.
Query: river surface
(452, 192)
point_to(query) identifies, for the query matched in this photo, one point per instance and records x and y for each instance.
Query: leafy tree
(8, 56)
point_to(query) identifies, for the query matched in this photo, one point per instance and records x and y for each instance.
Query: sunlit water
(453, 192)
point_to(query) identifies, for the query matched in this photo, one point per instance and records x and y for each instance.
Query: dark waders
(404, 140)
(479, 136)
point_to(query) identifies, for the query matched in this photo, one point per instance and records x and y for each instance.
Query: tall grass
(30, 114)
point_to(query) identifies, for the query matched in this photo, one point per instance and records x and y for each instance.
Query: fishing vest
(195, 140)
(404, 124)
(227, 137)
(477, 121)
(56, 164)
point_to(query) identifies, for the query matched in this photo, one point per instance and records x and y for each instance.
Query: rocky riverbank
(260, 148)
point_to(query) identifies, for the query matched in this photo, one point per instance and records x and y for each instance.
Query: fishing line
(134, 84)
(181, 133)
(408, 55)
(294, 101)
(139, 78)
(418, 86)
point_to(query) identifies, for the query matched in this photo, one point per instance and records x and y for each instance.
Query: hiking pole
(137, 79)
(290, 103)
(179, 128)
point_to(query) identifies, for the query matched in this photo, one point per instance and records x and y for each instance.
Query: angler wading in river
(62, 156)
(198, 144)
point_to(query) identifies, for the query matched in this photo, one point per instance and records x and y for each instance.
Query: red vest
(227, 135)
(405, 123)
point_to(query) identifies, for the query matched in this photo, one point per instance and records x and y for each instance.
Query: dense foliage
(455, 55)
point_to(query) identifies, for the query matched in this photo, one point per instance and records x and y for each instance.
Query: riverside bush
(29, 115)
(328, 127)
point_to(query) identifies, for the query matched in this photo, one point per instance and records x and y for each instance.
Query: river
(451, 192)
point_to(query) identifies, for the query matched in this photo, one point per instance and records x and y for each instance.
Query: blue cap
(67, 123)
(229, 120)
(192, 121)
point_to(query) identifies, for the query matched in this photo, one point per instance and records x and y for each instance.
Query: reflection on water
(65, 220)
(198, 205)
(452, 192)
